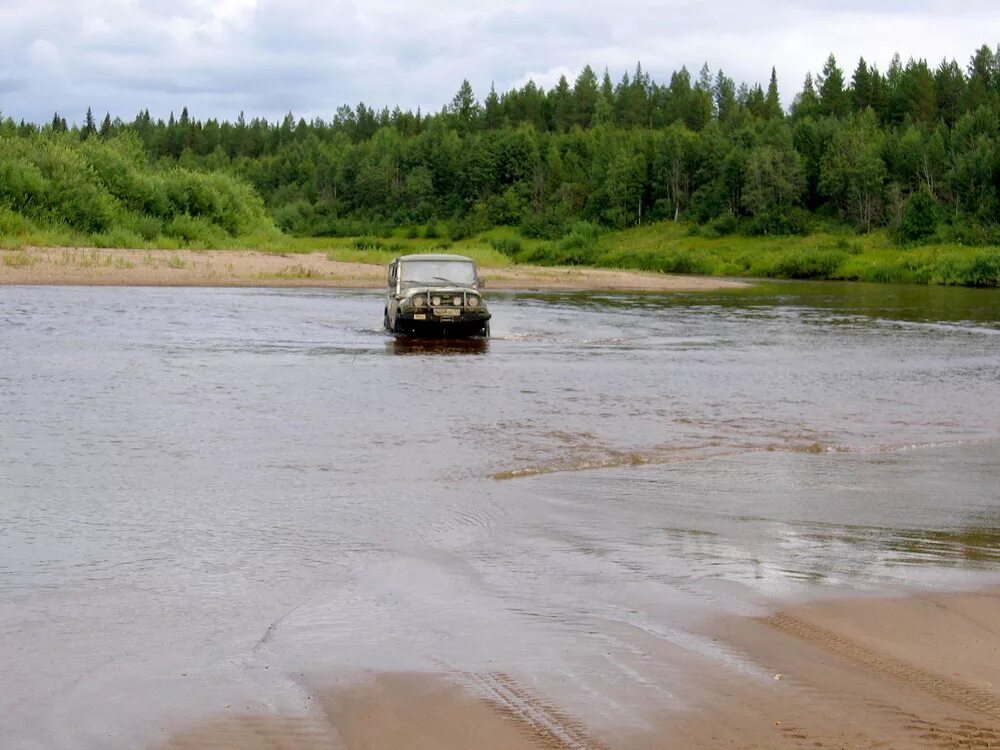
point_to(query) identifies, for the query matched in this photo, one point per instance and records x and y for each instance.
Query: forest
(912, 153)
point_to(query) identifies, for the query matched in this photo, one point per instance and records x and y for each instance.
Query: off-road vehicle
(435, 295)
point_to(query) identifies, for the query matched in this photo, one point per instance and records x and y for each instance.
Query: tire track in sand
(546, 724)
(936, 685)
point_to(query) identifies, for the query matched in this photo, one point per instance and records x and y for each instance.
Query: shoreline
(917, 670)
(34, 266)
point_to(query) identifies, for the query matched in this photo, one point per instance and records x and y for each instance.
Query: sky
(270, 57)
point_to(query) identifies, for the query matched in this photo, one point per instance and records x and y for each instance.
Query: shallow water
(206, 494)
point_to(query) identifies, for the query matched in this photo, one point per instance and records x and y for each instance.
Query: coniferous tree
(561, 105)
(832, 96)
(724, 92)
(806, 103)
(584, 97)
(862, 89)
(608, 89)
(772, 101)
(491, 110)
(920, 91)
(464, 108)
(105, 131)
(949, 86)
(89, 125)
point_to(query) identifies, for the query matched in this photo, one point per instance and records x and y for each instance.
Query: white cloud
(268, 56)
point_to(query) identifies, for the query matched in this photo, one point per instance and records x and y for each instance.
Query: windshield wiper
(451, 281)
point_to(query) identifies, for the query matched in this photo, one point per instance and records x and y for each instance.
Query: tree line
(914, 148)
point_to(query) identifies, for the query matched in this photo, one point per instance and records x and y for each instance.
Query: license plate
(447, 312)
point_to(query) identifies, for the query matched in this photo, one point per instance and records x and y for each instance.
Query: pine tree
(562, 105)
(464, 108)
(584, 97)
(806, 103)
(608, 89)
(105, 131)
(861, 86)
(89, 125)
(920, 92)
(724, 92)
(772, 102)
(491, 109)
(832, 97)
(949, 85)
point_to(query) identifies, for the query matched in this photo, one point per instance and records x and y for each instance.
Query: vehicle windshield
(438, 272)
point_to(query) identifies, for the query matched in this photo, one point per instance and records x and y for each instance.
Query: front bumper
(425, 321)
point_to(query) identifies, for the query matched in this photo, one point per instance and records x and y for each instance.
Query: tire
(385, 320)
(486, 330)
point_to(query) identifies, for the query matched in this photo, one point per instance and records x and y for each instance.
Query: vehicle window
(458, 272)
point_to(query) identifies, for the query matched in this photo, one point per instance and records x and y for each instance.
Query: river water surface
(207, 495)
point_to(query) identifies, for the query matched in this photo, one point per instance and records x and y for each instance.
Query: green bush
(12, 224)
(919, 217)
(813, 263)
(582, 235)
(549, 224)
(117, 237)
(195, 230)
(100, 186)
(509, 246)
(779, 221)
(725, 224)
(985, 270)
(369, 243)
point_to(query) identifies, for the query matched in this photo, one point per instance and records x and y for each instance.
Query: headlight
(435, 300)
(456, 301)
(473, 301)
(419, 300)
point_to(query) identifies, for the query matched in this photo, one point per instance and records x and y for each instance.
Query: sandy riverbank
(921, 671)
(85, 266)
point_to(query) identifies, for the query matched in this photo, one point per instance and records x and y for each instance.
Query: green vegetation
(57, 189)
(676, 248)
(887, 176)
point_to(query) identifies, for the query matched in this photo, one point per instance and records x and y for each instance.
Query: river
(206, 494)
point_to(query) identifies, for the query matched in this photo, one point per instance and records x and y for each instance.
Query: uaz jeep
(435, 295)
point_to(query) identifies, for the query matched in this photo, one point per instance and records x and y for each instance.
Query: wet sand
(247, 268)
(914, 671)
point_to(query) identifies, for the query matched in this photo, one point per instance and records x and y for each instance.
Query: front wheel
(486, 330)
(385, 320)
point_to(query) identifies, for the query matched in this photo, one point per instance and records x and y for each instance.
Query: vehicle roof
(435, 256)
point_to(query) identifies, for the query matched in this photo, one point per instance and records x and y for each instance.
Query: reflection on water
(413, 345)
(970, 546)
(205, 491)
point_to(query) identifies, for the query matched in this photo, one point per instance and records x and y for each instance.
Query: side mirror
(482, 283)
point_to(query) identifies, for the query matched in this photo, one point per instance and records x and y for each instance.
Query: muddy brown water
(210, 497)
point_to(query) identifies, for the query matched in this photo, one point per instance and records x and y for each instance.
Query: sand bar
(248, 268)
(916, 671)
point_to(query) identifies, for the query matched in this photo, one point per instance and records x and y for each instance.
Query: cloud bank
(269, 57)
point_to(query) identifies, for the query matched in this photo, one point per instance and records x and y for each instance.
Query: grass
(673, 248)
(665, 247)
(17, 259)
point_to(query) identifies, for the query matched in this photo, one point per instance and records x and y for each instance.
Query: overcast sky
(268, 57)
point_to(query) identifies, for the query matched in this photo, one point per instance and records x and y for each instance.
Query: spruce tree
(772, 102)
(724, 92)
(584, 97)
(861, 86)
(806, 103)
(89, 125)
(832, 97)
